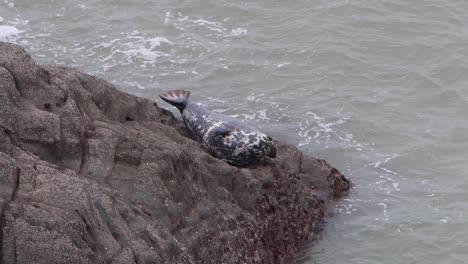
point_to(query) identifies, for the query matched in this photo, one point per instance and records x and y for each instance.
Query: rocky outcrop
(90, 174)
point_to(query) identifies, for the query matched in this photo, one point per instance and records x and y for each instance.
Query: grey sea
(377, 88)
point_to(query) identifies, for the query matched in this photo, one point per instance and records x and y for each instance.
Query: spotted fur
(225, 137)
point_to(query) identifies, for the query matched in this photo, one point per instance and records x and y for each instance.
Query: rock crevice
(96, 175)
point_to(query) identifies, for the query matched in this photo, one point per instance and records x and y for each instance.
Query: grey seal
(225, 137)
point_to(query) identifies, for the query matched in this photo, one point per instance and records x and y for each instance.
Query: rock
(90, 174)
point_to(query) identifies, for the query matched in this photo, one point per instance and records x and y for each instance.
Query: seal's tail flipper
(177, 98)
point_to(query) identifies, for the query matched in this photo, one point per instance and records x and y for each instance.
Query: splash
(9, 33)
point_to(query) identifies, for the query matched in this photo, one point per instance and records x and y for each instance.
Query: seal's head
(262, 145)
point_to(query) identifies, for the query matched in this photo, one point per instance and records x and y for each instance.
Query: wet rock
(90, 174)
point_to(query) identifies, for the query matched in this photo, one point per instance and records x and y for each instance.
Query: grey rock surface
(90, 174)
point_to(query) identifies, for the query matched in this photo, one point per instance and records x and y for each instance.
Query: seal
(225, 137)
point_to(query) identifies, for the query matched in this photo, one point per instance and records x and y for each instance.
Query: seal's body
(225, 137)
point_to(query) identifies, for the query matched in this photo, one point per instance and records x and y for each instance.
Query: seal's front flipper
(233, 163)
(220, 132)
(177, 98)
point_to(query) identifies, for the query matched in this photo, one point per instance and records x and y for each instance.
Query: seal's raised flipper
(177, 98)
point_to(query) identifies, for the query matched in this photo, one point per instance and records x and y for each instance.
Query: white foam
(183, 18)
(239, 32)
(134, 47)
(216, 100)
(167, 17)
(9, 33)
(219, 30)
(314, 115)
(282, 64)
(207, 26)
(156, 42)
(206, 22)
